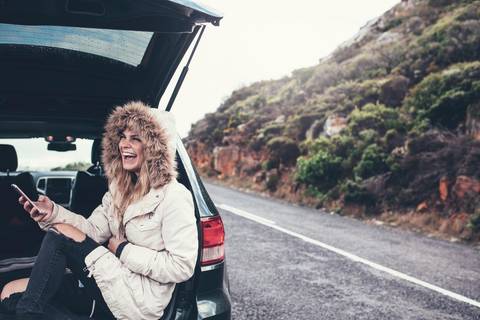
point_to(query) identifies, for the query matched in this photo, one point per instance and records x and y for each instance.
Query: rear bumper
(214, 305)
(213, 294)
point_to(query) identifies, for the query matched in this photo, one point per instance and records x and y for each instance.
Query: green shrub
(322, 170)
(369, 136)
(342, 145)
(350, 94)
(376, 117)
(451, 39)
(321, 143)
(443, 97)
(373, 162)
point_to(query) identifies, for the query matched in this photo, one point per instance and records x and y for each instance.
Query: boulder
(280, 119)
(334, 125)
(225, 160)
(199, 154)
(443, 189)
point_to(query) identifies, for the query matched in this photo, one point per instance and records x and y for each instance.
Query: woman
(147, 217)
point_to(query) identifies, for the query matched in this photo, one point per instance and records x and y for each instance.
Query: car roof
(65, 64)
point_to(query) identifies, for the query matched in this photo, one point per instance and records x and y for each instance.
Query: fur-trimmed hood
(157, 130)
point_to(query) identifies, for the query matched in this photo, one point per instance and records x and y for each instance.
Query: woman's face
(131, 150)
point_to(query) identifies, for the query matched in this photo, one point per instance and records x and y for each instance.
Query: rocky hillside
(388, 126)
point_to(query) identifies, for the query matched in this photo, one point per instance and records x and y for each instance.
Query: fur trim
(159, 145)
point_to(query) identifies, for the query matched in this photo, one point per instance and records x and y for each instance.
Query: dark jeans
(57, 252)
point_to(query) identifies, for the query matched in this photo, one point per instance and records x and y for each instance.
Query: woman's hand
(44, 204)
(114, 242)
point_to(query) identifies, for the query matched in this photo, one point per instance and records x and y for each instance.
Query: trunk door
(66, 62)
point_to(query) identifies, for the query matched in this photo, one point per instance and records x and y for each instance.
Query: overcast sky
(256, 40)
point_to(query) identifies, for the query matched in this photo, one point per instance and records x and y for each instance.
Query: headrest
(8, 158)
(96, 151)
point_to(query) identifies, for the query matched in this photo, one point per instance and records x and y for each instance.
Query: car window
(125, 46)
(33, 155)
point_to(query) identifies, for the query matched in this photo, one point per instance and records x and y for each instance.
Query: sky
(256, 40)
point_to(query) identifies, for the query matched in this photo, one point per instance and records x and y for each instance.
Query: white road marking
(271, 224)
(247, 215)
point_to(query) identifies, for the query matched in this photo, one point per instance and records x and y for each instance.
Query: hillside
(387, 127)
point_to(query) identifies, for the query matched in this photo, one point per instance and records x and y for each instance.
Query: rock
(242, 127)
(388, 37)
(422, 207)
(249, 163)
(225, 160)
(232, 140)
(334, 125)
(443, 188)
(199, 154)
(280, 119)
(464, 185)
(399, 152)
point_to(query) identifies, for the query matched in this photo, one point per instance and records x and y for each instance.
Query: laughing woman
(146, 217)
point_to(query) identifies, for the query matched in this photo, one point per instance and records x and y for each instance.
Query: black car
(64, 64)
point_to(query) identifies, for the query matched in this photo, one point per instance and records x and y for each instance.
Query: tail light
(213, 240)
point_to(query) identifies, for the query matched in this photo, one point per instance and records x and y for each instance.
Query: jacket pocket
(145, 222)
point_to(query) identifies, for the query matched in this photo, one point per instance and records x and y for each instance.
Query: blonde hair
(129, 188)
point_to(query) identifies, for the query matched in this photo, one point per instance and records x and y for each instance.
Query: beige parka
(160, 227)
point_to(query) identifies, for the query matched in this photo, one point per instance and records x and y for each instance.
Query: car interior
(20, 236)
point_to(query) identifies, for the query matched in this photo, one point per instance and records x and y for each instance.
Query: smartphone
(20, 192)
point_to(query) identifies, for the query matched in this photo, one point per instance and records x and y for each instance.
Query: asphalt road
(278, 268)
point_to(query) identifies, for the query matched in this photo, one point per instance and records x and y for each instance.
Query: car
(65, 65)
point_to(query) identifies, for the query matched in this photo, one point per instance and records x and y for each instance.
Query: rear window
(125, 46)
(32, 155)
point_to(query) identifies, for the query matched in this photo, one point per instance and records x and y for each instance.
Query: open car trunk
(66, 63)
